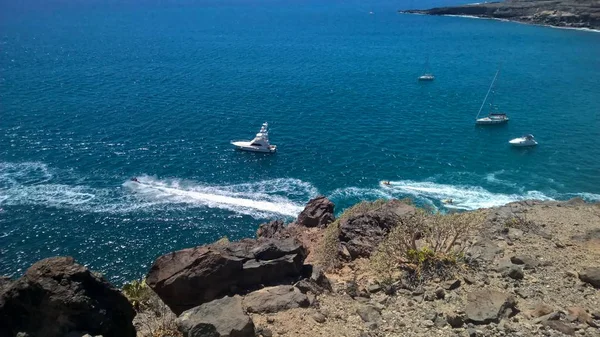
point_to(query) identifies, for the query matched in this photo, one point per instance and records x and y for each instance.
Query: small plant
(425, 246)
(222, 241)
(138, 293)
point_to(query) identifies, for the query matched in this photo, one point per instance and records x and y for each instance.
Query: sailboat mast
(488, 93)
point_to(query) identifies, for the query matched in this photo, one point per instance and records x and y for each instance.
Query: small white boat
(260, 143)
(493, 117)
(524, 141)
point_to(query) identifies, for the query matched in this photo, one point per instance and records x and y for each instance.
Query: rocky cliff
(525, 269)
(559, 13)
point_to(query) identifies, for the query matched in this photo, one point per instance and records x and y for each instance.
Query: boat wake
(259, 200)
(34, 184)
(463, 197)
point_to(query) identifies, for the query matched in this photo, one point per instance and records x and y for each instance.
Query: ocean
(94, 93)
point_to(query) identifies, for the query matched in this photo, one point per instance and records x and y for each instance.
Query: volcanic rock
(56, 296)
(317, 213)
(222, 317)
(187, 278)
(362, 233)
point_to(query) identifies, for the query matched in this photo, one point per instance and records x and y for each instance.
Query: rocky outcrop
(317, 213)
(273, 229)
(219, 318)
(561, 13)
(360, 234)
(187, 278)
(56, 296)
(591, 275)
(487, 306)
(275, 299)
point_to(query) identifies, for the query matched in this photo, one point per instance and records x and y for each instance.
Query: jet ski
(448, 201)
(135, 180)
(386, 182)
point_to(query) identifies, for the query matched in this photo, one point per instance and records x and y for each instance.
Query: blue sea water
(93, 93)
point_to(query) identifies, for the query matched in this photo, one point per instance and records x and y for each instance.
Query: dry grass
(425, 246)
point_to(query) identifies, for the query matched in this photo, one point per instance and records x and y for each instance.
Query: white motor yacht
(524, 141)
(427, 77)
(260, 143)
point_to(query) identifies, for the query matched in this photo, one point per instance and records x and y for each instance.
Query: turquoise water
(91, 95)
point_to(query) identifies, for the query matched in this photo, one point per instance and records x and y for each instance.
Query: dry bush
(424, 246)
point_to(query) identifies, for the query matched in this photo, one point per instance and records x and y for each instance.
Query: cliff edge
(560, 13)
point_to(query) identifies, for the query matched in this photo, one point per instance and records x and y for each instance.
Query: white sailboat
(427, 75)
(492, 117)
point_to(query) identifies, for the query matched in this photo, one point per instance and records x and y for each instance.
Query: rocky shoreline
(576, 14)
(383, 268)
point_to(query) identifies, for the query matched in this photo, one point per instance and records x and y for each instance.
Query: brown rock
(56, 296)
(591, 275)
(273, 229)
(275, 299)
(541, 309)
(190, 277)
(361, 233)
(223, 317)
(487, 306)
(317, 213)
(560, 326)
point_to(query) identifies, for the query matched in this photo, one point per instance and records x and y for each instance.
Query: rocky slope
(527, 269)
(560, 13)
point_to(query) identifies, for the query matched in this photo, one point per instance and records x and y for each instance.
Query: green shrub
(424, 246)
(138, 293)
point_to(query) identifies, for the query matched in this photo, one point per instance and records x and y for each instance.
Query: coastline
(591, 30)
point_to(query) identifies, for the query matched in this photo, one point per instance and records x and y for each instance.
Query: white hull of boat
(427, 78)
(245, 146)
(522, 142)
(490, 121)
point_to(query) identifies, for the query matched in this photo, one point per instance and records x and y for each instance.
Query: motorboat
(492, 118)
(527, 140)
(260, 143)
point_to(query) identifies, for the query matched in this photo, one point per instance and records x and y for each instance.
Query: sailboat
(492, 117)
(427, 76)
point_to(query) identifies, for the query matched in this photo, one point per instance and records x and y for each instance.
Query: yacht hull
(245, 146)
(487, 121)
(520, 142)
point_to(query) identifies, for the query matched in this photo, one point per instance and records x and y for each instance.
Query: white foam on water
(259, 199)
(587, 196)
(492, 178)
(463, 197)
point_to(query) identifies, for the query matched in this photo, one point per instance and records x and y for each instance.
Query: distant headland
(560, 13)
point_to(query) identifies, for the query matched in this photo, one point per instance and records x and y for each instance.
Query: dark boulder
(56, 296)
(187, 278)
(273, 229)
(219, 318)
(317, 213)
(360, 234)
(315, 281)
